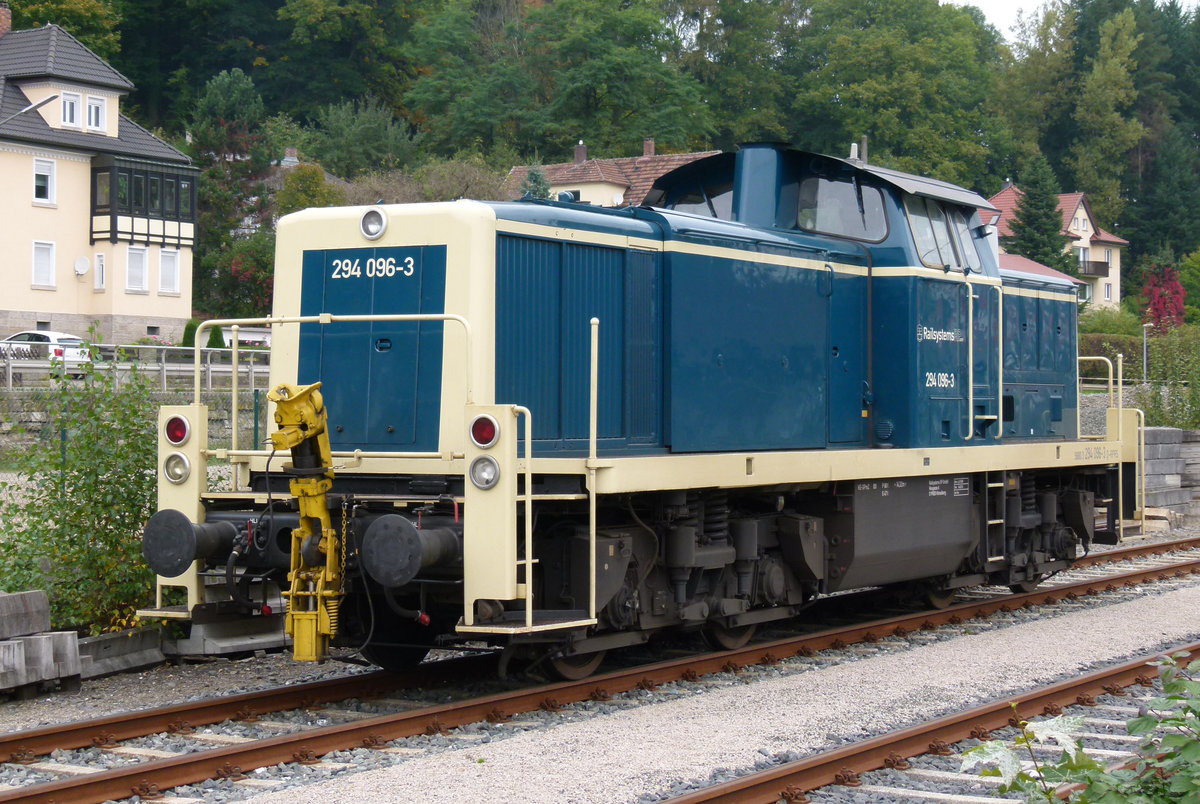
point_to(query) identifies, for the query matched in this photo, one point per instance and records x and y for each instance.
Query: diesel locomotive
(563, 429)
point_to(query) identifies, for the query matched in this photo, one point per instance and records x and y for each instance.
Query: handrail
(528, 499)
(971, 297)
(1000, 364)
(593, 431)
(328, 318)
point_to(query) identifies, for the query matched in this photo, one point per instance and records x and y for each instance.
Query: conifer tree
(1037, 224)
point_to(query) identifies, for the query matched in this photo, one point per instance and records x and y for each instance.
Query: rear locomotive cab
(563, 429)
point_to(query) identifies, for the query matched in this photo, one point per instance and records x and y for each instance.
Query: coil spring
(716, 515)
(1028, 493)
(333, 607)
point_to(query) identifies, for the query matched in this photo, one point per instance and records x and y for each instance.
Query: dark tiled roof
(131, 141)
(636, 173)
(51, 52)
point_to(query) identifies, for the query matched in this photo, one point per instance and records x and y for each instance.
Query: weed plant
(1167, 768)
(70, 523)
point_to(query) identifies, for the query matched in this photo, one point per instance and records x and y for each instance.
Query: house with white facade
(97, 215)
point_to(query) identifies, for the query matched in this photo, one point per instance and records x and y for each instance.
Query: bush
(72, 521)
(189, 333)
(1110, 321)
(1167, 767)
(216, 338)
(1106, 345)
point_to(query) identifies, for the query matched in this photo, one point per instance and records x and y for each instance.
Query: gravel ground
(651, 752)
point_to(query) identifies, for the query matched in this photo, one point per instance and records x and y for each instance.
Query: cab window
(942, 236)
(713, 200)
(841, 207)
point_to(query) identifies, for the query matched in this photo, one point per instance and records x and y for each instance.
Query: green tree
(1166, 213)
(354, 137)
(95, 23)
(913, 76)
(464, 176)
(246, 273)
(736, 51)
(304, 186)
(229, 141)
(1106, 132)
(73, 517)
(1037, 221)
(535, 184)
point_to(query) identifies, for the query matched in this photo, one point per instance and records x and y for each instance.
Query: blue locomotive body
(785, 375)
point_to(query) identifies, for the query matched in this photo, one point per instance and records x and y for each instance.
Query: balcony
(1093, 268)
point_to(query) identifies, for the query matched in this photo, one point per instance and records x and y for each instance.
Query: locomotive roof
(923, 185)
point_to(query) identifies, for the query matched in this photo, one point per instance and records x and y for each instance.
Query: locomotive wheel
(719, 637)
(1025, 586)
(576, 666)
(939, 598)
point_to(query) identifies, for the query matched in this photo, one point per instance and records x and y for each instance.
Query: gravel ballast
(653, 751)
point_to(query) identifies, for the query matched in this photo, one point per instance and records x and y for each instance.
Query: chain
(342, 547)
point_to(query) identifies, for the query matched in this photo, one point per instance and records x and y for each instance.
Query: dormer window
(70, 110)
(95, 113)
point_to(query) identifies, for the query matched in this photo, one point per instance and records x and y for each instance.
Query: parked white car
(45, 345)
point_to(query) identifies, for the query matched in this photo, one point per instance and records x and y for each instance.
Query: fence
(172, 365)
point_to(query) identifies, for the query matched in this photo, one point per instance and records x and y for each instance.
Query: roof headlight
(484, 472)
(373, 223)
(177, 468)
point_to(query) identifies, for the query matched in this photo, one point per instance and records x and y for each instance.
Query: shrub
(72, 520)
(189, 333)
(1110, 321)
(216, 338)
(1167, 767)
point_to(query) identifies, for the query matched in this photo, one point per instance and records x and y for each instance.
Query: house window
(135, 272)
(1108, 291)
(43, 181)
(1108, 256)
(169, 198)
(155, 195)
(139, 193)
(103, 191)
(152, 331)
(101, 278)
(1083, 255)
(168, 271)
(95, 113)
(70, 110)
(1085, 292)
(185, 199)
(43, 265)
(1083, 224)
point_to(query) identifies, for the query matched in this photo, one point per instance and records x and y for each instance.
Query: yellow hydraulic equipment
(316, 574)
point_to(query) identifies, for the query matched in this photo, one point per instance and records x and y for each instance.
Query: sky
(1003, 13)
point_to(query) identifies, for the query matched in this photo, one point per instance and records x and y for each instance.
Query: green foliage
(1110, 321)
(95, 23)
(247, 274)
(355, 137)
(216, 339)
(535, 185)
(1102, 344)
(465, 176)
(1037, 222)
(1167, 768)
(1106, 132)
(304, 186)
(1173, 398)
(189, 333)
(72, 520)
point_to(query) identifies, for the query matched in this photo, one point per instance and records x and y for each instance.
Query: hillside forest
(407, 100)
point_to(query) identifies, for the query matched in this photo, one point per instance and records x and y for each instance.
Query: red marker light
(422, 618)
(484, 431)
(177, 430)
(266, 609)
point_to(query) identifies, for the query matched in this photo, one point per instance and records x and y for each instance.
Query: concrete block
(1166, 466)
(1156, 451)
(39, 657)
(1164, 435)
(1164, 481)
(1163, 498)
(23, 613)
(66, 654)
(124, 650)
(12, 664)
(1191, 436)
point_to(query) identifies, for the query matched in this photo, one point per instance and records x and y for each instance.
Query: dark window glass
(139, 192)
(843, 208)
(169, 197)
(123, 190)
(155, 195)
(185, 198)
(714, 200)
(103, 190)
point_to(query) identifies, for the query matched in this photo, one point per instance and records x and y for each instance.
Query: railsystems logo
(939, 335)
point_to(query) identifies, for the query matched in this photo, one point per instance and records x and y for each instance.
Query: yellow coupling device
(316, 566)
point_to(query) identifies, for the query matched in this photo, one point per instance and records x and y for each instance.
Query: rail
(172, 365)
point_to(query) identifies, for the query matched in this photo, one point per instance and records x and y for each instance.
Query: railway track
(1108, 697)
(226, 757)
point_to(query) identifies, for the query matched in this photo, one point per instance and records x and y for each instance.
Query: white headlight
(373, 223)
(484, 472)
(176, 468)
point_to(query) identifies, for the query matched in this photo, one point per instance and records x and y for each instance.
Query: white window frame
(144, 256)
(166, 256)
(100, 104)
(45, 167)
(1108, 256)
(100, 278)
(48, 279)
(72, 102)
(1108, 291)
